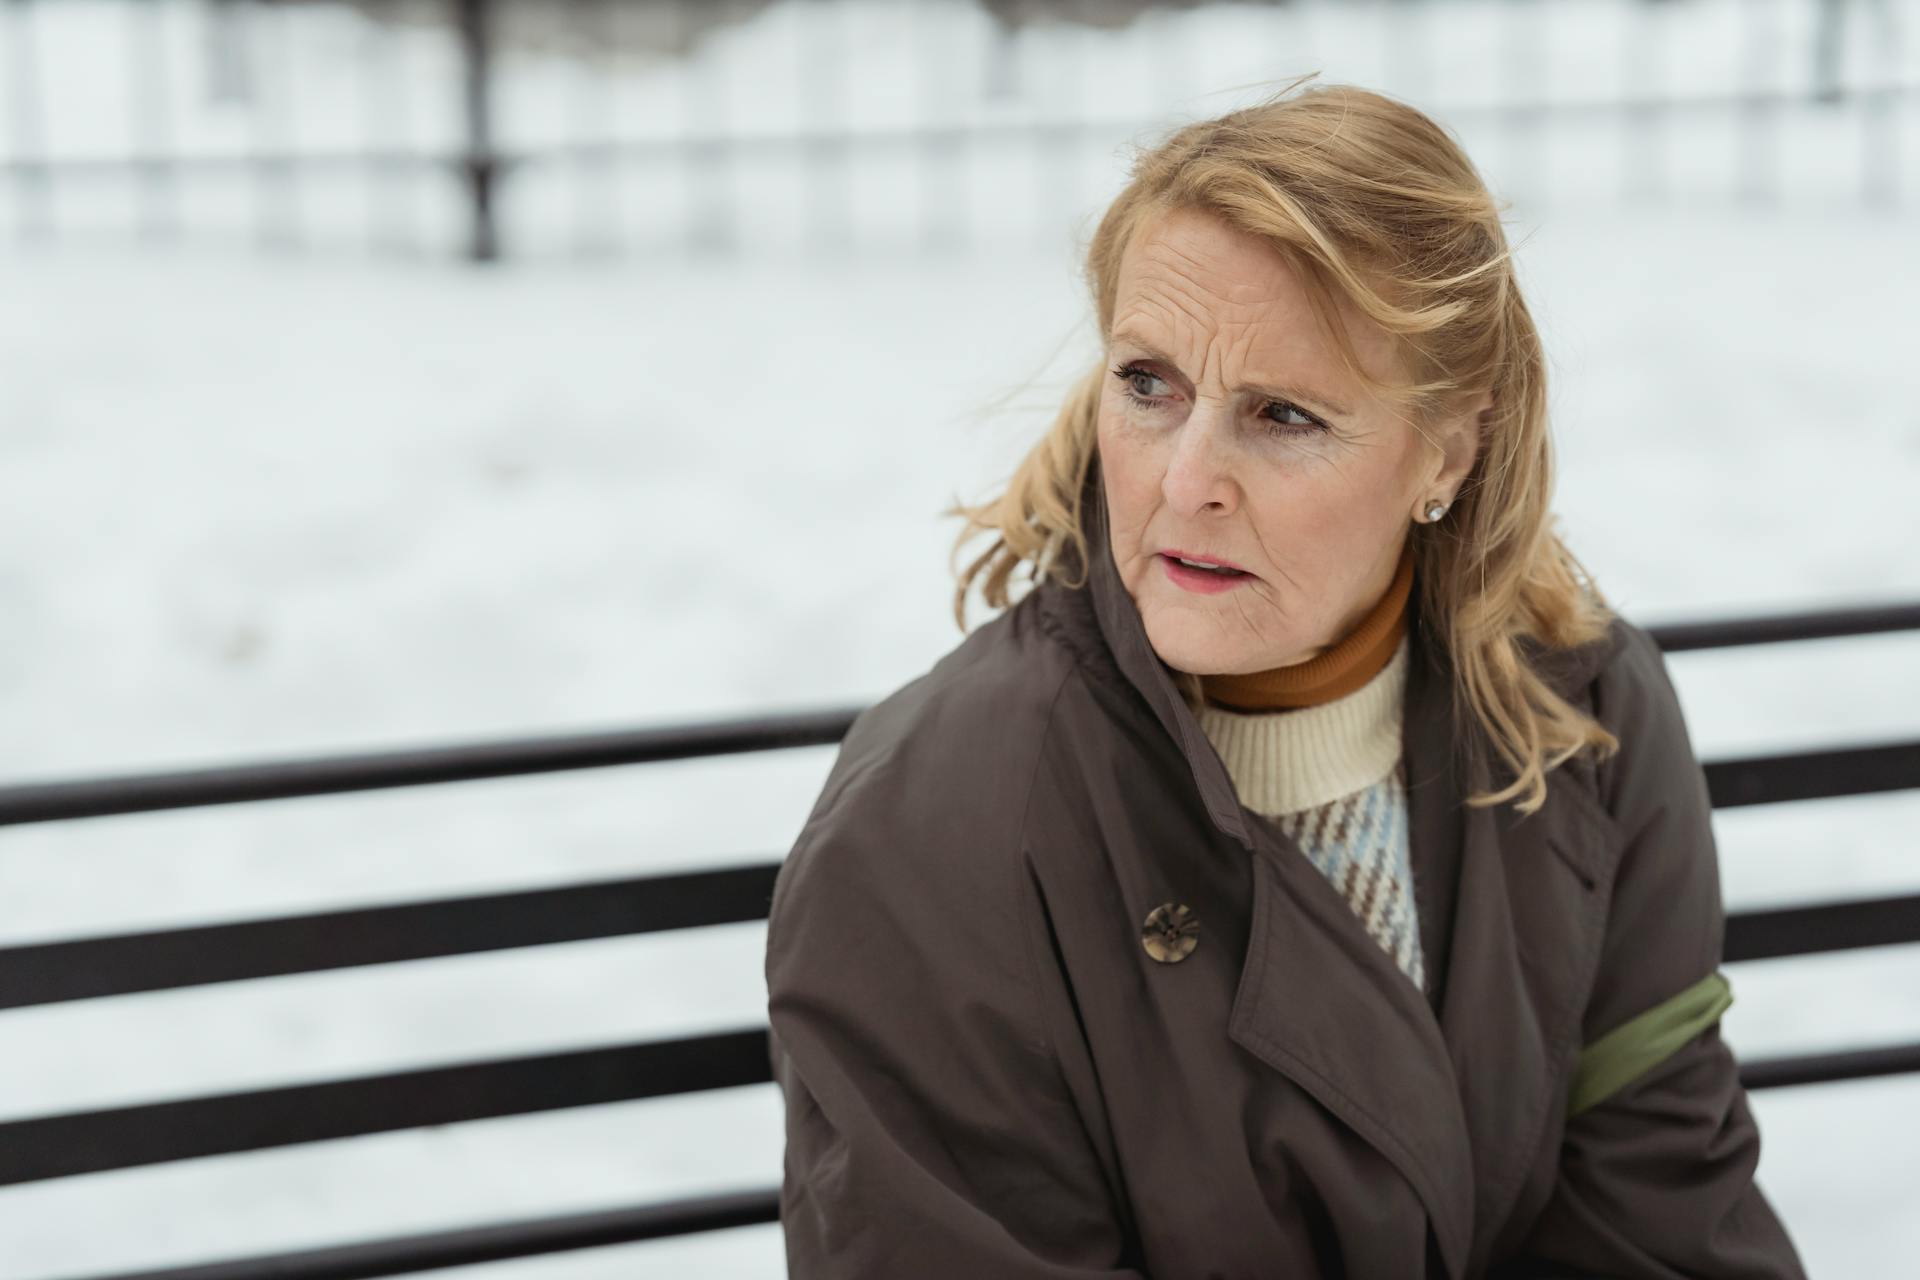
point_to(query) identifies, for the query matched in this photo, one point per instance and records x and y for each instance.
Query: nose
(1200, 470)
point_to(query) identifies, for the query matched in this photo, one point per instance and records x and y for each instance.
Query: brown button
(1171, 932)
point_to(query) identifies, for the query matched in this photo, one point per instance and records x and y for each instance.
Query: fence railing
(694, 167)
(63, 1145)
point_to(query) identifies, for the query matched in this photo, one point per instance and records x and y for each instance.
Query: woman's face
(1230, 430)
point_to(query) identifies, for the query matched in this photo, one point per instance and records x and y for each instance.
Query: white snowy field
(261, 506)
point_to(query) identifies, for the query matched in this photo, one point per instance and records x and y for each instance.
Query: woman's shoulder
(1621, 678)
(1634, 696)
(1621, 674)
(979, 706)
(914, 842)
(933, 777)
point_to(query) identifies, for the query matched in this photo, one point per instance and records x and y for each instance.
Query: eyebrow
(1276, 391)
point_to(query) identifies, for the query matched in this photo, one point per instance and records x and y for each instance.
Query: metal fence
(54, 1146)
(1703, 100)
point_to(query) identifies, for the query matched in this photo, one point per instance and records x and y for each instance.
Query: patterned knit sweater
(1330, 775)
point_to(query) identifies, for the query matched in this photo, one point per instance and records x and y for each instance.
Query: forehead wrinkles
(1246, 325)
(1248, 289)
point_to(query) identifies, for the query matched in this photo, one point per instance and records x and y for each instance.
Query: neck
(1355, 659)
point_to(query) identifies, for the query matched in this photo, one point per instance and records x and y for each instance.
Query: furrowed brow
(1272, 390)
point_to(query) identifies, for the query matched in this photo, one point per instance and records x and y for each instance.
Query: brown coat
(988, 1074)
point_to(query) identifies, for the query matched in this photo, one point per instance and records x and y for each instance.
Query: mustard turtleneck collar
(1357, 658)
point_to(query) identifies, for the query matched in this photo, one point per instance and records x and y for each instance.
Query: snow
(255, 506)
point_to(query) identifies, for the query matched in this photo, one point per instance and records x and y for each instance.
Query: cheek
(1311, 530)
(1116, 442)
(1316, 547)
(1132, 474)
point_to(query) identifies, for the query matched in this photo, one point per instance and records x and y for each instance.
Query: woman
(1309, 875)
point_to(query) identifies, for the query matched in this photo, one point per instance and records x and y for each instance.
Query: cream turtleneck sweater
(1330, 775)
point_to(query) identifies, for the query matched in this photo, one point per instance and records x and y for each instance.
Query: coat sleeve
(929, 1130)
(1659, 1152)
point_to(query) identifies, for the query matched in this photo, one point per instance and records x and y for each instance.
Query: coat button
(1170, 933)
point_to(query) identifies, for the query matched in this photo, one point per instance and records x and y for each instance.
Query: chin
(1191, 645)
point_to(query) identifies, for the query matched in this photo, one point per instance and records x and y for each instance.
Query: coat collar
(1126, 638)
(1457, 1101)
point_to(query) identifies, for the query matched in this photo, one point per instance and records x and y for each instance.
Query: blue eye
(1128, 373)
(1288, 406)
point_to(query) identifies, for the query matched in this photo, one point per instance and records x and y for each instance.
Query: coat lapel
(1456, 1101)
(1527, 933)
(1317, 1000)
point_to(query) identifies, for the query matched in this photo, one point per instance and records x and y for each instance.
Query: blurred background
(402, 372)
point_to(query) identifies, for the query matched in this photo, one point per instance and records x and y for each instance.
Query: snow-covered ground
(255, 506)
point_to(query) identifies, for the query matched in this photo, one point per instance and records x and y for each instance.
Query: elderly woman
(1310, 875)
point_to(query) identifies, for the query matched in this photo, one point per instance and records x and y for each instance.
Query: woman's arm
(1657, 1164)
(929, 1133)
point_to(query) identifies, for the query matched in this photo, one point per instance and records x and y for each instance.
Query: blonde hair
(1373, 202)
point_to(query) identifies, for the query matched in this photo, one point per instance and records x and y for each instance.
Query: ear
(1460, 440)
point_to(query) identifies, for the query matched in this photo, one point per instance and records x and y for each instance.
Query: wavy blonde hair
(1371, 201)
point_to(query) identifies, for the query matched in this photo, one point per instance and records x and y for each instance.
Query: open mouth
(1222, 570)
(1202, 578)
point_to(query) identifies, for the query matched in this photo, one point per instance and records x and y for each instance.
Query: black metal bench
(54, 1146)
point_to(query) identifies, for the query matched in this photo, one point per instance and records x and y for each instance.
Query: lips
(1205, 568)
(1201, 581)
(1202, 562)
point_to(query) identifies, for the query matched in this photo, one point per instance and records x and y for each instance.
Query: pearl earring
(1435, 509)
